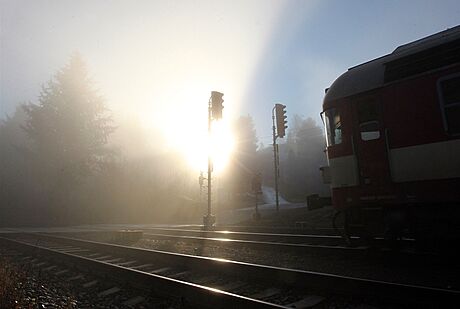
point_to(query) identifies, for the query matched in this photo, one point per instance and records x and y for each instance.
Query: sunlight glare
(183, 122)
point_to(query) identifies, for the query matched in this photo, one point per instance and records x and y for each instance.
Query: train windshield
(333, 127)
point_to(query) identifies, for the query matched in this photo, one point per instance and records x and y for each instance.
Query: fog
(106, 106)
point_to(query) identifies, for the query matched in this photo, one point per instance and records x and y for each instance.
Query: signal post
(278, 131)
(214, 113)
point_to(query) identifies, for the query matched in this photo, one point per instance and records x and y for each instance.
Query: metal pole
(275, 157)
(256, 215)
(209, 162)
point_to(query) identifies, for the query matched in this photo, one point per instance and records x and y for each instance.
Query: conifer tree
(69, 126)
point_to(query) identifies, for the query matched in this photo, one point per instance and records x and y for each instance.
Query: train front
(358, 170)
(340, 173)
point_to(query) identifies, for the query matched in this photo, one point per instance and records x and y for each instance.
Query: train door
(370, 147)
(370, 143)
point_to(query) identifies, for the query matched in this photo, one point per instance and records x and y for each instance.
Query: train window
(450, 94)
(333, 127)
(369, 130)
(369, 126)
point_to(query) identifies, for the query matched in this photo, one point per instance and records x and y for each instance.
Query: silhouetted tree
(301, 158)
(70, 125)
(69, 128)
(14, 174)
(301, 155)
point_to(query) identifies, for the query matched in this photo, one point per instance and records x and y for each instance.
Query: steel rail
(299, 279)
(190, 294)
(267, 233)
(261, 244)
(245, 235)
(356, 252)
(280, 229)
(289, 241)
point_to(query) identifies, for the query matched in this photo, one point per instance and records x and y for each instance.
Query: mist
(104, 108)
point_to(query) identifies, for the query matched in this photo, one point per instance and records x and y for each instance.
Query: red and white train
(393, 140)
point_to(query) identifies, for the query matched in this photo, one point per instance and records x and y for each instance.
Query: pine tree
(69, 127)
(304, 155)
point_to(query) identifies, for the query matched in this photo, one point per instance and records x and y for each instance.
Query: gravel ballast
(30, 283)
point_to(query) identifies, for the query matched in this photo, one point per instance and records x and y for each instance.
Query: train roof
(431, 52)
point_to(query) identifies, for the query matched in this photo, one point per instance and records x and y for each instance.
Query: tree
(70, 125)
(303, 156)
(69, 129)
(13, 167)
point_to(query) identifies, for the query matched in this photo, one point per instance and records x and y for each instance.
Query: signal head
(281, 119)
(216, 104)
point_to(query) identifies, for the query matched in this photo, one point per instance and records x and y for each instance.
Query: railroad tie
(77, 277)
(76, 250)
(61, 248)
(231, 286)
(134, 301)
(50, 268)
(307, 302)
(90, 284)
(266, 293)
(127, 263)
(206, 280)
(61, 272)
(94, 254)
(160, 270)
(141, 267)
(108, 292)
(181, 274)
(102, 258)
(113, 260)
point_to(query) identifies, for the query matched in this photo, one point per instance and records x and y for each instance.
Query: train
(392, 129)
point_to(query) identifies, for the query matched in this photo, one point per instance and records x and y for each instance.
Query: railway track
(269, 236)
(298, 229)
(292, 242)
(276, 241)
(208, 282)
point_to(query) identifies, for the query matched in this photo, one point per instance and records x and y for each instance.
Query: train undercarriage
(434, 227)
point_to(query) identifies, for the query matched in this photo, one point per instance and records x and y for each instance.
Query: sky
(156, 62)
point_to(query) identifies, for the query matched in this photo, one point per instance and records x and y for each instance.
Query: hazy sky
(157, 61)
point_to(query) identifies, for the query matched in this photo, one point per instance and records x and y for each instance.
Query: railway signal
(214, 113)
(281, 120)
(216, 104)
(278, 131)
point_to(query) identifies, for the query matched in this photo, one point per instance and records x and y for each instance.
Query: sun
(184, 124)
(196, 145)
